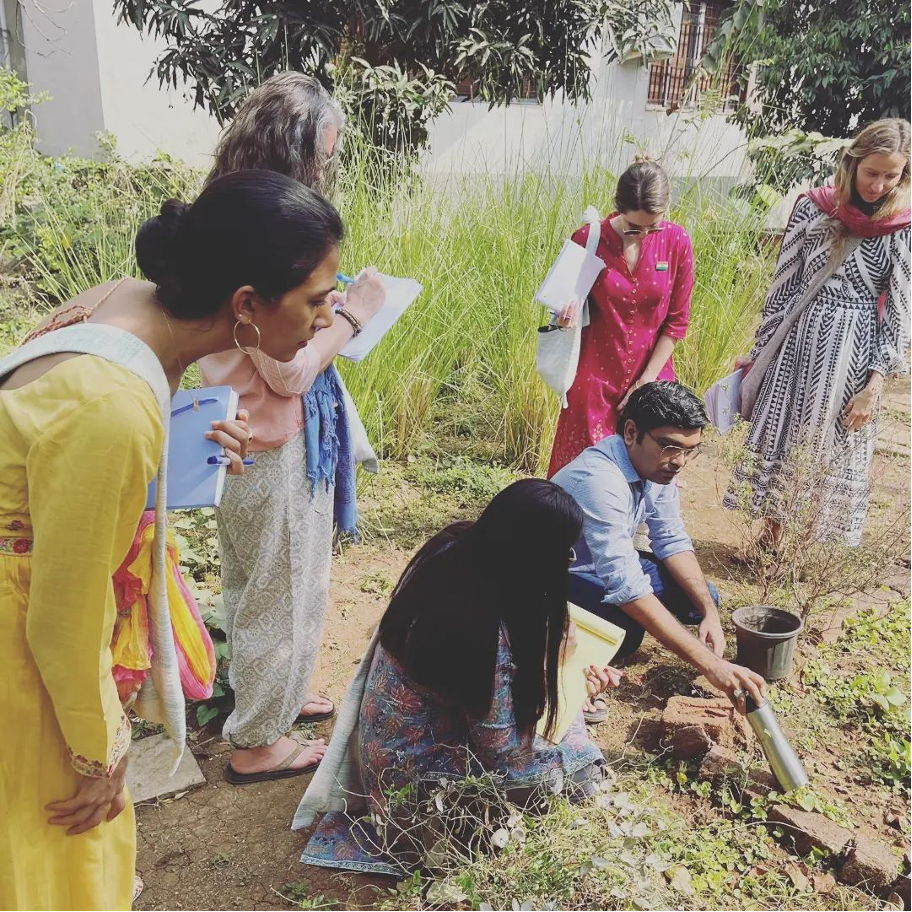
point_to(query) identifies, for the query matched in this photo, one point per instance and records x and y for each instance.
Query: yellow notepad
(598, 641)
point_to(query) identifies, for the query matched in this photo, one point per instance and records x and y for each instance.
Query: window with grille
(671, 82)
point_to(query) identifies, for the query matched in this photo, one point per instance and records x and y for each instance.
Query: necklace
(173, 340)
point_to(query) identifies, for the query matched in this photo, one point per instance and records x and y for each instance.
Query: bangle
(353, 321)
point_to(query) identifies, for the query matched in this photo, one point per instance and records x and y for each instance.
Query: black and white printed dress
(823, 362)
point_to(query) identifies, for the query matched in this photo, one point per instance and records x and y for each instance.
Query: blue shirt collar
(616, 450)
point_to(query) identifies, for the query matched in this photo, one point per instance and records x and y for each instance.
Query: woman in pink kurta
(638, 308)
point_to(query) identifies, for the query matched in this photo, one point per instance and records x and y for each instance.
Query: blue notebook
(192, 481)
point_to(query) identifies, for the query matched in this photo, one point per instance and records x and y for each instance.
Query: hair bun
(640, 158)
(158, 247)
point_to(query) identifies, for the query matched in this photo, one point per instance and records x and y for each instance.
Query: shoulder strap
(750, 385)
(595, 229)
(75, 313)
(103, 341)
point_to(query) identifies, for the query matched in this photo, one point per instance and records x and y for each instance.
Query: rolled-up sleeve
(606, 501)
(667, 535)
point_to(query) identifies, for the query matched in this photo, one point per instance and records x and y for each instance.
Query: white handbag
(362, 451)
(557, 351)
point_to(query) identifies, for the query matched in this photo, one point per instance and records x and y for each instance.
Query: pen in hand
(224, 461)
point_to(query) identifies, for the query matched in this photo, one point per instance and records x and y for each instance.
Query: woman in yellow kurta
(81, 443)
(80, 436)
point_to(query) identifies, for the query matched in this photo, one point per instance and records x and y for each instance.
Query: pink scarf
(861, 225)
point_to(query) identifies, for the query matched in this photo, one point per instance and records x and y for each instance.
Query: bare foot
(263, 759)
(317, 705)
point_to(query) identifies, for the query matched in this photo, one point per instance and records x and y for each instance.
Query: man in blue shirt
(627, 479)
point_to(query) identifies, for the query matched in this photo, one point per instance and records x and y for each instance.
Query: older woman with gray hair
(276, 526)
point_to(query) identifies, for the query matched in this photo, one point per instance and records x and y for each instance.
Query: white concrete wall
(610, 129)
(144, 117)
(61, 54)
(96, 74)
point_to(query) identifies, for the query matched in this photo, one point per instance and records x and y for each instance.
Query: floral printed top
(408, 734)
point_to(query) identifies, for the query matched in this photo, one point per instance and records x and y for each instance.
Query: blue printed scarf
(329, 452)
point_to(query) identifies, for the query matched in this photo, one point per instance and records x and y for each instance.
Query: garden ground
(223, 847)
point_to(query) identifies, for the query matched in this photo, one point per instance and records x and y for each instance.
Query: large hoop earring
(247, 350)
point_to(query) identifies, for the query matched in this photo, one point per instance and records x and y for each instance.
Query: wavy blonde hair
(884, 137)
(281, 127)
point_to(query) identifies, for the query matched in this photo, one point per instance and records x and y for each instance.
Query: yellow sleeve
(87, 479)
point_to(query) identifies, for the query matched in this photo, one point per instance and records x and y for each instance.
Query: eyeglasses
(670, 453)
(636, 232)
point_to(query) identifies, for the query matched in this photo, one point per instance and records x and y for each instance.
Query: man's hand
(711, 635)
(735, 680)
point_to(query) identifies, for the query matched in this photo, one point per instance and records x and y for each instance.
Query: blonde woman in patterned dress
(819, 397)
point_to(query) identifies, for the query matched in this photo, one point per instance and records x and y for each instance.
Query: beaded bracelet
(353, 321)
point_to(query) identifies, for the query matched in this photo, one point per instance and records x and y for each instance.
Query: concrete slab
(149, 767)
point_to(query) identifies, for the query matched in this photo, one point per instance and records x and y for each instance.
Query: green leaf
(881, 701)
(205, 713)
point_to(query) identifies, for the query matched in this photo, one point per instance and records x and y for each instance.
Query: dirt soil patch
(226, 847)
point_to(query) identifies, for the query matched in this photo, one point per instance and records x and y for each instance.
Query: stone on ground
(870, 864)
(809, 830)
(149, 770)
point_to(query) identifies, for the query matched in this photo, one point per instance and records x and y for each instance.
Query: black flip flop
(282, 771)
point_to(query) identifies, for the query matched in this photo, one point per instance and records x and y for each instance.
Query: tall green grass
(480, 246)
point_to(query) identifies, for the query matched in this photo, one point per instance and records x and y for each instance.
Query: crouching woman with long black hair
(462, 670)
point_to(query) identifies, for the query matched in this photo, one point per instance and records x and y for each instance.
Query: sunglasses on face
(637, 232)
(670, 453)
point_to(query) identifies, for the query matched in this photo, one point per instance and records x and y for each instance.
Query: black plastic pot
(766, 639)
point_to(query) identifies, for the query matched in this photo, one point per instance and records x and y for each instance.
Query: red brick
(720, 722)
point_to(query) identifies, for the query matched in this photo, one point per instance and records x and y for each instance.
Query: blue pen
(344, 279)
(224, 460)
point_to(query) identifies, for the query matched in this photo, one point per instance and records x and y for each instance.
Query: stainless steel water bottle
(783, 761)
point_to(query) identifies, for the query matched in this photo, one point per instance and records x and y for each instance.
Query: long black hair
(509, 567)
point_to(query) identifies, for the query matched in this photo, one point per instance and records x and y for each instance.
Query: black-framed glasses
(675, 452)
(637, 232)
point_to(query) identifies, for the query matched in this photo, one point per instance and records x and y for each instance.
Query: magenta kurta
(628, 312)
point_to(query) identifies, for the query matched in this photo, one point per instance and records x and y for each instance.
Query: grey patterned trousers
(276, 548)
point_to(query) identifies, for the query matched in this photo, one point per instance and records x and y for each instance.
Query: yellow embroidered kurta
(78, 448)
